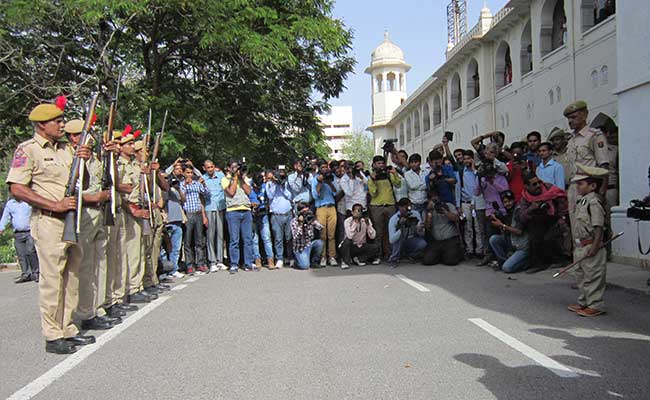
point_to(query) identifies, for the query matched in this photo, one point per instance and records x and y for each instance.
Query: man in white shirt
(355, 187)
(416, 184)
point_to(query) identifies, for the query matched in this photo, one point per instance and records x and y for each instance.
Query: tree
(359, 147)
(236, 75)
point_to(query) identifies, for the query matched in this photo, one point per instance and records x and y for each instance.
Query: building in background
(337, 127)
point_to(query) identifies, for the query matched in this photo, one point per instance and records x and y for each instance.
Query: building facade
(337, 127)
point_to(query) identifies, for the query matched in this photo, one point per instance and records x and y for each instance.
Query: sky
(419, 27)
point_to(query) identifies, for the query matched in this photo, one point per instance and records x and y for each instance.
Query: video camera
(639, 210)
(487, 169)
(389, 145)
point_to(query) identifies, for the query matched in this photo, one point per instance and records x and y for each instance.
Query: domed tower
(388, 76)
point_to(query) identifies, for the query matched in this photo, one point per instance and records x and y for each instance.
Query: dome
(387, 53)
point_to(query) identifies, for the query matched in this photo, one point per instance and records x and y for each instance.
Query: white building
(515, 71)
(337, 127)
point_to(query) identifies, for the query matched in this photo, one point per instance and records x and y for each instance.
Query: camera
(389, 145)
(639, 210)
(487, 170)
(280, 175)
(308, 217)
(439, 206)
(173, 181)
(328, 177)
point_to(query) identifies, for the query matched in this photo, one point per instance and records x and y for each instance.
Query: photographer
(441, 224)
(194, 246)
(307, 249)
(406, 232)
(174, 200)
(215, 208)
(353, 184)
(513, 238)
(382, 199)
(323, 190)
(261, 224)
(543, 211)
(299, 182)
(238, 215)
(441, 178)
(355, 247)
(279, 195)
(414, 179)
(472, 208)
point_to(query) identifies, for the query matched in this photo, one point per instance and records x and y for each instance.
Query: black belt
(611, 187)
(27, 231)
(53, 214)
(466, 202)
(281, 215)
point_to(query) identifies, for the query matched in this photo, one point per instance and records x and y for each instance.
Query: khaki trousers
(591, 275)
(151, 250)
(380, 215)
(58, 287)
(326, 216)
(131, 243)
(116, 276)
(92, 274)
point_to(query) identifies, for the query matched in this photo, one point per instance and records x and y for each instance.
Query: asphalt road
(450, 333)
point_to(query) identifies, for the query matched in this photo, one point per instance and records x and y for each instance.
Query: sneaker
(376, 261)
(233, 270)
(178, 275)
(254, 268)
(190, 271)
(393, 264)
(358, 262)
(222, 266)
(279, 264)
(323, 262)
(203, 269)
(214, 268)
(344, 265)
(292, 264)
(248, 268)
(333, 262)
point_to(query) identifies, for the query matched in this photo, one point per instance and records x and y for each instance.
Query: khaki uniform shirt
(563, 160)
(42, 166)
(588, 147)
(129, 173)
(589, 213)
(94, 166)
(613, 165)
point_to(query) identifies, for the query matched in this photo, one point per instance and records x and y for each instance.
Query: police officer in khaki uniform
(588, 233)
(586, 146)
(131, 235)
(559, 138)
(38, 175)
(92, 238)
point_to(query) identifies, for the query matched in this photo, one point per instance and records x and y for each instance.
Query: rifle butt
(70, 227)
(109, 219)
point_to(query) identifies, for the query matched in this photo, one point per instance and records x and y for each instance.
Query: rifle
(154, 157)
(75, 180)
(573, 264)
(145, 197)
(109, 175)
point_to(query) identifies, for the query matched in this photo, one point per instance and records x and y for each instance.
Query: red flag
(127, 129)
(60, 102)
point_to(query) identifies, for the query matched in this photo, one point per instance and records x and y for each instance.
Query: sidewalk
(628, 277)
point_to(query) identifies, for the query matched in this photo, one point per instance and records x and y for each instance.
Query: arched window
(437, 111)
(558, 94)
(416, 123)
(473, 80)
(551, 97)
(401, 134)
(553, 28)
(503, 70)
(402, 86)
(593, 12)
(391, 80)
(408, 130)
(594, 79)
(604, 78)
(380, 83)
(526, 51)
(456, 93)
(426, 118)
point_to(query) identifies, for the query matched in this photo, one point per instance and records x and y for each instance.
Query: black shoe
(485, 261)
(81, 340)
(151, 290)
(95, 324)
(59, 346)
(126, 307)
(648, 282)
(139, 298)
(163, 288)
(23, 279)
(114, 312)
(536, 269)
(150, 295)
(35, 277)
(111, 320)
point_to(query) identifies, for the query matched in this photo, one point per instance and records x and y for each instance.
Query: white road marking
(545, 361)
(179, 287)
(56, 372)
(416, 285)
(190, 280)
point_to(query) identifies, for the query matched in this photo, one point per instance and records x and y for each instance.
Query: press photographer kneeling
(441, 224)
(307, 249)
(355, 246)
(405, 233)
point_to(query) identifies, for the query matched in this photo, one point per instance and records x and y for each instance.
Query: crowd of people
(527, 206)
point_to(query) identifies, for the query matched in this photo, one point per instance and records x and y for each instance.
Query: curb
(642, 292)
(9, 267)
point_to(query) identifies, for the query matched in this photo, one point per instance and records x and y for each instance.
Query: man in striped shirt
(196, 220)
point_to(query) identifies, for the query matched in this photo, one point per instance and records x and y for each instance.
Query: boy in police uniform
(588, 234)
(38, 175)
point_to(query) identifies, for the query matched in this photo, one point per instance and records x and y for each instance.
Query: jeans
(240, 223)
(262, 228)
(412, 246)
(310, 254)
(500, 246)
(26, 253)
(473, 229)
(215, 237)
(194, 254)
(281, 226)
(176, 237)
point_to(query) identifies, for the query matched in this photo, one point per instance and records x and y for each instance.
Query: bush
(7, 250)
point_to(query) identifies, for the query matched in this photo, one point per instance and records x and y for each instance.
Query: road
(370, 332)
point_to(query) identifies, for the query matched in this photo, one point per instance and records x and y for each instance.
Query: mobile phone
(450, 136)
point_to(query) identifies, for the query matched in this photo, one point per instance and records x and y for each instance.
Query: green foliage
(7, 250)
(359, 147)
(236, 75)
